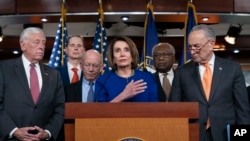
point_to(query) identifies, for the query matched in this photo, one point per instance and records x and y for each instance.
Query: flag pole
(144, 45)
(145, 26)
(151, 8)
(63, 17)
(100, 10)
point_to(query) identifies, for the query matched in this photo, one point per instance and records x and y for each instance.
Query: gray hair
(209, 32)
(29, 30)
(171, 47)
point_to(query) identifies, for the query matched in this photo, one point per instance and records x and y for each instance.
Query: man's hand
(31, 134)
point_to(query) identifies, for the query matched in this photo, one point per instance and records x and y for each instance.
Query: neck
(125, 72)
(74, 63)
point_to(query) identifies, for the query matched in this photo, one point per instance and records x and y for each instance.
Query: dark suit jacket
(73, 92)
(228, 102)
(161, 93)
(248, 91)
(65, 74)
(17, 108)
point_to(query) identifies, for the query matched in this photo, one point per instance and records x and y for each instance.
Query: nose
(192, 52)
(42, 45)
(75, 48)
(122, 53)
(91, 68)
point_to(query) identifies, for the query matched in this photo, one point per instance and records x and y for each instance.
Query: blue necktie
(90, 97)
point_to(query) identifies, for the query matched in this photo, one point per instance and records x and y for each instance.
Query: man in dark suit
(227, 101)
(164, 58)
(75, 49)
(248, 91)
(25, 114)
(92, 66)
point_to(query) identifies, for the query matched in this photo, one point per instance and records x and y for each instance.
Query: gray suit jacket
(17, 108)
(228, 102)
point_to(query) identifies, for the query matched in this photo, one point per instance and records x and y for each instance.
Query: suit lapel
(218, 71)
(79, 90)
(21, 76)
(45, 79)
(197, 79)
(161, 93)
(66, 73)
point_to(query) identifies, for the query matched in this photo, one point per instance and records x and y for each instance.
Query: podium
(125, 121)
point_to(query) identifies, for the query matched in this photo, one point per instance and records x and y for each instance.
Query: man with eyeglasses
(83, 91)
(225, 101)
(71, 70)
(163, 58)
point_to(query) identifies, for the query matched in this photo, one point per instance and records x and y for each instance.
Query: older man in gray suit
(31, 93)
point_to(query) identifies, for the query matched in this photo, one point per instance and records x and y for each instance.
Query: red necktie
(75, 75)
(34, 84)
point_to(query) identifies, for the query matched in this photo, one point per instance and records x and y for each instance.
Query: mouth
(161, 64)
(122, 60)
(40, 54)
(75, 53)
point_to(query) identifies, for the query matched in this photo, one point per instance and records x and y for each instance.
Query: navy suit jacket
(228, 102)
(73, 92)
(17, 108)
(65, 74)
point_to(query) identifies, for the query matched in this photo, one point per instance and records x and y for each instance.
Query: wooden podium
(130, 120)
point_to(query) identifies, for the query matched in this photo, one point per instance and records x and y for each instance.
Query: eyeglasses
(88, 65)
(164, 55)
(197, 47)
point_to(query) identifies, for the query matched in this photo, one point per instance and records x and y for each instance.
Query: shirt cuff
(12, 132)
(48, 133)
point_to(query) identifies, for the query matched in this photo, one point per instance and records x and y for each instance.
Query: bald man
(92, 66)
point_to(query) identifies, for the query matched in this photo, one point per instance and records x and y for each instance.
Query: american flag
(58, 57)
(100, 40)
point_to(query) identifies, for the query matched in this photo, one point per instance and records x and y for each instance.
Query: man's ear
(22, 45)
